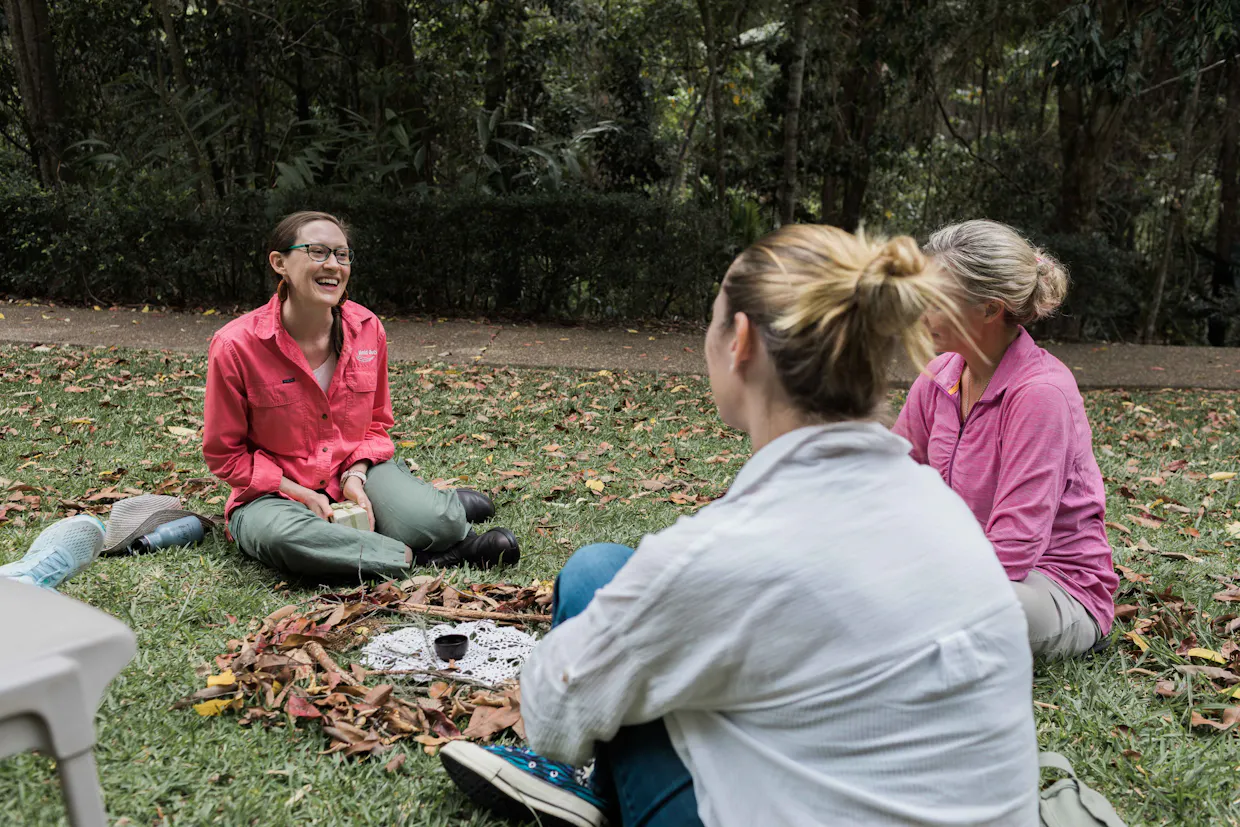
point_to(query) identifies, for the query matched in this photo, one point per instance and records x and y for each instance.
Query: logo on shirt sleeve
(367, 355)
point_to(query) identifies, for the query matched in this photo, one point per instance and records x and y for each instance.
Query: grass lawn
(80, 423)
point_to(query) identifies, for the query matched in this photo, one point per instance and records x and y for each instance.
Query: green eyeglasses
(320, 252)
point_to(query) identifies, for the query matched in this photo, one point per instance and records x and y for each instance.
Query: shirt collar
(1017, 354)
(269, 319)
(816, 442)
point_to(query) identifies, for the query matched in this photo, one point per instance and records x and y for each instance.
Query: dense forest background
(605, 158)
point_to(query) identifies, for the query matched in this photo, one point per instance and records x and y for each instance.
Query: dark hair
(283, 237)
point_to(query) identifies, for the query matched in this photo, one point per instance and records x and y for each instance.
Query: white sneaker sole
(513, 793)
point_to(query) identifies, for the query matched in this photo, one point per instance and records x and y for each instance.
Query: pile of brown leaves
(283, 671)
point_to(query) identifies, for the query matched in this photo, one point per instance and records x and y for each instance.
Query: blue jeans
(638, 769)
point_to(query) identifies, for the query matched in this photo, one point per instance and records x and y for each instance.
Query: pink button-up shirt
(1023, 461)
(267, 418)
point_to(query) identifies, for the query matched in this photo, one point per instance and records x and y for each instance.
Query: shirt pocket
(360, 385)
(278, 419)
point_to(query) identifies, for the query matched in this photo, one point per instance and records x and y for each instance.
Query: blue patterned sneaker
(520, 785)
(61, 551)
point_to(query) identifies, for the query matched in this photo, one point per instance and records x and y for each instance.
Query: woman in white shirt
(832, 642)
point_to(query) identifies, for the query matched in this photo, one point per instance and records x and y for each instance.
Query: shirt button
(325, 416)
(325, 449)
(322, 482)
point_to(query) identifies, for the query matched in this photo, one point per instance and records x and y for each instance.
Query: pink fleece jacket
(1023, 461)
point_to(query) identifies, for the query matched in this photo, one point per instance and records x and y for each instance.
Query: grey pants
(1059, 626)
(288, 536)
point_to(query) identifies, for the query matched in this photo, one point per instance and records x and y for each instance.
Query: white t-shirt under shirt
(323, 373)
(832, 642)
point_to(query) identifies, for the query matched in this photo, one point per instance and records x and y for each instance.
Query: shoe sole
(514, 794)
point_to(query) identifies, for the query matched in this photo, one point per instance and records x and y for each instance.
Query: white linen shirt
(831, 643)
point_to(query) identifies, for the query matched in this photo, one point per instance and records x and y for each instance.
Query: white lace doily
(495, 652)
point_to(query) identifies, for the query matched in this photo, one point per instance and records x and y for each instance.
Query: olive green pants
(288, 536)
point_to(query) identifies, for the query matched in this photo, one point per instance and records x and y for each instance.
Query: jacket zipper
(951, 463)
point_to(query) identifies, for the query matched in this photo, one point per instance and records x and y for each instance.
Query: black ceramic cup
(451, 647)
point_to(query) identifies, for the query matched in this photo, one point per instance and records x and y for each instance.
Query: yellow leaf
(210, 311)
(1, 315)
(225, 678)
(631, 330)
(603, 373)
(407, 444)
(1223, 476)
(215, 706)
(146, 308)
(1233, 692)
(96, 307)
(177, 430)
(595, 485)
(1208, 654)
(1136, 638)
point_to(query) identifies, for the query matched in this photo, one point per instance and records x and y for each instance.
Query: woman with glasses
(297, 418)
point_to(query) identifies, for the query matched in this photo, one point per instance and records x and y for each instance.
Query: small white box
(351, 515)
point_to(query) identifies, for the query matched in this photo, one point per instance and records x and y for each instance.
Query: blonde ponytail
(832, 309)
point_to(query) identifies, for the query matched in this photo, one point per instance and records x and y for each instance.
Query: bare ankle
(408, 556)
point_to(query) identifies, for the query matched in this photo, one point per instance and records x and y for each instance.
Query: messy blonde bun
(992, 261)
(832, 309)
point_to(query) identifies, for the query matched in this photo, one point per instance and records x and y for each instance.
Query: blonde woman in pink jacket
(1003, 423)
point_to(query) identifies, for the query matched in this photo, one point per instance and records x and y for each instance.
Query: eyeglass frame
(331, 251)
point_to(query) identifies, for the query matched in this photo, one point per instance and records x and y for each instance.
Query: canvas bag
(1069, 803)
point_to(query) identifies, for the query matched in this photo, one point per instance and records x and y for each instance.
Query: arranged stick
(469, 614)
(450, 677)
(316, 651)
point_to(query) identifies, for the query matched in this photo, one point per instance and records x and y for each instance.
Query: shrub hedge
(574, 255)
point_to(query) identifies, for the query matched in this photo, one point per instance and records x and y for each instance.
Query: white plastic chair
(57, 656)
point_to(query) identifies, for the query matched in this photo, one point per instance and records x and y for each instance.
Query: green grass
(160, 766)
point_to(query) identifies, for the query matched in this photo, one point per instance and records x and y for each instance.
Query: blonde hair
(992, 261)
(832, 307)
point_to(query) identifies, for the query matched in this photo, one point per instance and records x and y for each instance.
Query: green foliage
(570, 254)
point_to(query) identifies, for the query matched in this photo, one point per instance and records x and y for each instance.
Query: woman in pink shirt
(1003, 423)
(297, 417)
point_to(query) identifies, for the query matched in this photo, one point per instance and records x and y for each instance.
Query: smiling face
(309, 281)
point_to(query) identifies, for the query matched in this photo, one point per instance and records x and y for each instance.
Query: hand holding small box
(351, 515)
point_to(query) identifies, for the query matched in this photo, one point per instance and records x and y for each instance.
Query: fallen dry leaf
(214, 707)
(1211, 672)
(1166, 689)
(1207, 654)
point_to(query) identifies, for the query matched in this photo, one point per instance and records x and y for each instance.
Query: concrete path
(644, 347)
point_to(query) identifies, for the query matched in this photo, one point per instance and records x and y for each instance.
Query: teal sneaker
(518, 784)
(59, 552)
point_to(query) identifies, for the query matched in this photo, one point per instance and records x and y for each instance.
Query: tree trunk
(792, 111)
(1179, 207)
(1088, 125)
(180, 76)
(1227, 232)
(714, 68)
(35, 63)
(857, 109)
